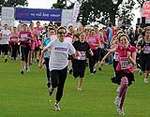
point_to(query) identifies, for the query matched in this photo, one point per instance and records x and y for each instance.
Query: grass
(26, 95)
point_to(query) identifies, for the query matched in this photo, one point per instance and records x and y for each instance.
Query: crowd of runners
(70, 49)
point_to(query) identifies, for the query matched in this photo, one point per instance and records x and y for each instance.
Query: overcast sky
(48, 4)
(41, 3)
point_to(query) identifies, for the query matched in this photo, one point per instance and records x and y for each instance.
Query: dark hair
(110, 24)
(120, 32)
(25, 25)
(143, 33)
(123, 35)
(145, 30)
(61, 27)
(51, 28)
(76, 35)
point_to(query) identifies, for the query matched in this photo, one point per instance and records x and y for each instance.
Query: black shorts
(4, 48)
(58, 77)
(96, 55)
(120, 74)
(78, 68)
(145, 62)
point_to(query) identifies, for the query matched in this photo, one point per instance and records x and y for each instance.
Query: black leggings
(47, 71)
(25, 53)
(93, 59)
(4, 48)
(58, 78)
(14, 50)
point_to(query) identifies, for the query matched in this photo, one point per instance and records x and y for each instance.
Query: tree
(105, 6)
(12, 3)
(63, 4)
(141, 2)
(125, 13)
(91, 8)
(59, 4)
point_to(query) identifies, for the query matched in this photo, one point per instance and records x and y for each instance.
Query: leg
(80, 84)
(60, 88)
(22, 60)
(47, 71)
(91, 64)
(54, 75)
(82, 67)
(122, 94)
(27, 51)
(6, 48)
(146, 74)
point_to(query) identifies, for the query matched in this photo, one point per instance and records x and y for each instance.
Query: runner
(145, 54)
(25, 42)
(124, 68)
(79, 63)
(4, 41)
(14, 39)
(51, 32)
(59, 50)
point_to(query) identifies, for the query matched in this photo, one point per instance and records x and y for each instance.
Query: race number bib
(24, 37)
(5, 36)
(81, 55)
(147, 49)
(124, 63)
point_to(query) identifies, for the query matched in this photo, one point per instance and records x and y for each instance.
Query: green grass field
(26, 95)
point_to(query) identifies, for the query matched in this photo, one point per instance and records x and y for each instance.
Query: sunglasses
(61, 32)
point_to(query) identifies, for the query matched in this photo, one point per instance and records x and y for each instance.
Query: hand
(91, 53)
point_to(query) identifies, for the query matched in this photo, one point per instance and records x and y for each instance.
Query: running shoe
(57, 107)
(146, 80)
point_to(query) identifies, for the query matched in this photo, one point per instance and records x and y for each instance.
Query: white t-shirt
(59, 52)
(5, 36)
(1, 28)
(69, 39)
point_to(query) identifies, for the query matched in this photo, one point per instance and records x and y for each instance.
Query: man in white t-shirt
(59, 51)
(4, 41)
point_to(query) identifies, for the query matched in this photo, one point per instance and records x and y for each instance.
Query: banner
(8, 16)
(38, 14)
(66, 18)
(76, 11)
(146, 10)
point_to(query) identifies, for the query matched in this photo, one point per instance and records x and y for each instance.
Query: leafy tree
(62, 4)
(141, 2)
(12, 3)
(125, 13)
(91, 8)
(105, 6)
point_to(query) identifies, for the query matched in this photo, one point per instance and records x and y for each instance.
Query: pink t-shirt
(124, 63)
(37, 31)
(69, 37)
(93, 41)
(14, 37)
(25, 38)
